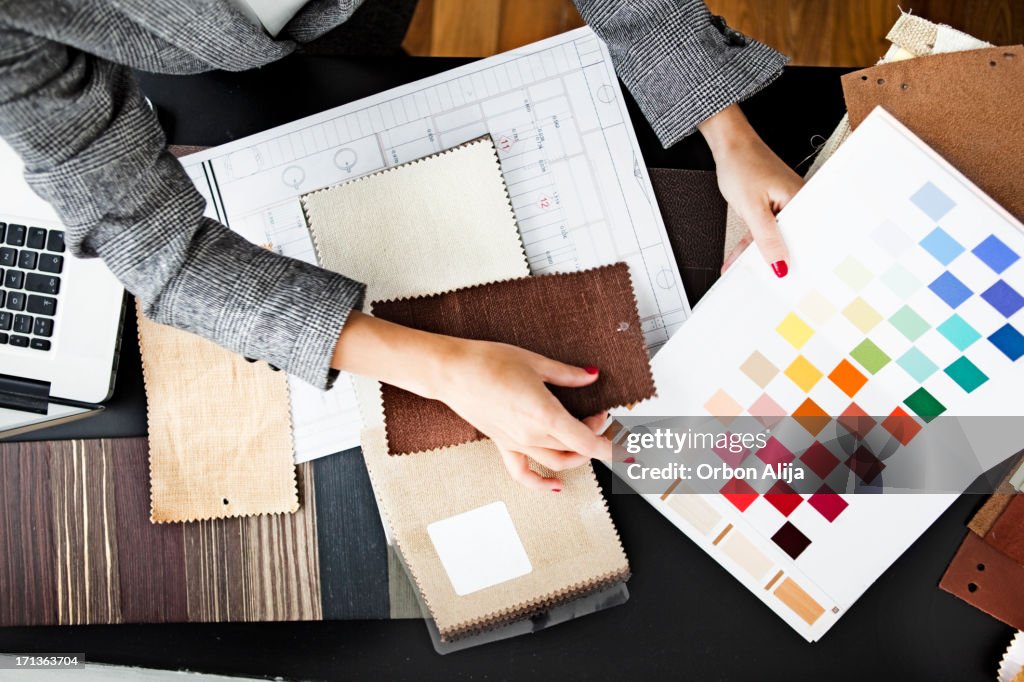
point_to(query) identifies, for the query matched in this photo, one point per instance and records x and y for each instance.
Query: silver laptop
(60, 316)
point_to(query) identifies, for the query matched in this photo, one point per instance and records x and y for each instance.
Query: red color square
(864, 463)
(783, 498)
(901, 425)
(857, 421)
(820, 460)
(774, 453)
(739, 493)
(829, 504)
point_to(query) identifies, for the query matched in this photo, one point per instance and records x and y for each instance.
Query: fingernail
(556, 490)
(591, 369)
(780, 268)
(629, 460)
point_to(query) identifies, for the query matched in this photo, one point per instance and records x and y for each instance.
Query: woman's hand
(499, 389)
(755, 182)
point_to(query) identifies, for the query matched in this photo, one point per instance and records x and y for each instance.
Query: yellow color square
(794, 330)
(862, 315)
(803, 373)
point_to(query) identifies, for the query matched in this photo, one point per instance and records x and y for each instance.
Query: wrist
(727, 130)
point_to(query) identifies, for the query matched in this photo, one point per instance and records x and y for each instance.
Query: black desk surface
(687, 618)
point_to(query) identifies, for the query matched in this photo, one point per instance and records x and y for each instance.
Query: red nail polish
(780, 268)
(629, 460)
(591, 369)
(556, 490)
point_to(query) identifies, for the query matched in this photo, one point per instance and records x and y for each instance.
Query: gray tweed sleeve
(681, 64)
(95, 151)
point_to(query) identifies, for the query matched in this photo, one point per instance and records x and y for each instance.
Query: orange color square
(857, 421)
(848, 378)
(811, 417)
(901, 425)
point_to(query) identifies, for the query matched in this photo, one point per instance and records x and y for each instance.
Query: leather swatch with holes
(586, 318)
(964, 105)
(987, 579)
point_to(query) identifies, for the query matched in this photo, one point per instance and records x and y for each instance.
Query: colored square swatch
(917, 364)
(783, 498)
(924, 404)
(767, 411)
(853, 273)
(802, 373)
(909, 323)
(958, 332)
(941, 246)
(847, 378)
(995, 254)
(864, 463)
(870, 356)
(933, 201)
(828, 503)
(891, 238)
(1009, 341)
(820, 460)
(794, 330)
(856, 421)
(1003, 298)
(722, 405)
(816, 308)
(790, 540)
(901, 425)
(862, 315)
(966, 374)
(951, 290)
(900, 281)
(811, 417)
(774, 452)
(759, 369)
(729, 455)
(739, 493)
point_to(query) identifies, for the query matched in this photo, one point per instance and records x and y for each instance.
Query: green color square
(924, 405)
(909, 323)
(966, 374)
(870, 356)
(917, 364)
(958, 332)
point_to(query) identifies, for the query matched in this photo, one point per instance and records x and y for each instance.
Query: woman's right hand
(498, 388)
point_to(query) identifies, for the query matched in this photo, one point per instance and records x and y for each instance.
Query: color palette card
(903, 307)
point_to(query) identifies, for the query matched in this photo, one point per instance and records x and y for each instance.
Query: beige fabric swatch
(442, 222)
(220, 436)
(569, 537)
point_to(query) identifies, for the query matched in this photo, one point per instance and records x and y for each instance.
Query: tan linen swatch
(439, 223)
(586, 318)
(964, 105)
(569, 538)
(220, 436)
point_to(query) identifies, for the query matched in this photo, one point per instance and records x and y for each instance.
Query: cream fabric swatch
(442, 222)
(220, 436)
(569, 537)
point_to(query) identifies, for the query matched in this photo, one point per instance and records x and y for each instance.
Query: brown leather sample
(964, 105)
(987, 579)
(586, 318)
(1007, 533)
(983, 520)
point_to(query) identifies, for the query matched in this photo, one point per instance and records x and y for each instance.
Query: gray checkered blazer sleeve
(95, 151)
(681, 64)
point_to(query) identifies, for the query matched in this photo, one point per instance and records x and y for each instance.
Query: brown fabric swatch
(1007, 533)
(569, 538)
(965, 105)
(220, 436)
(987, 579)
(586, 318)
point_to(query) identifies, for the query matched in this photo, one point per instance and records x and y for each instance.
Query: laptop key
(8, 256)
(3, 231)
(36, 238)
(27, 260)
(43, 327)
(49, 262)
(19, 340)
(43, 284)
(16, 235)
(14, 279)
(5, 321)
(3, 337)
(3, 297)
(23, 324)
(55, 241)
(41, 305)
(15, 300)
(40, 344)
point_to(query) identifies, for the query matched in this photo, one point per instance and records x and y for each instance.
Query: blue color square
(917, 364)
(943, 247)
(950, 289)
(958, 332)
(1003, 298)
(932, 201)
(995, 254)
(1009, 341)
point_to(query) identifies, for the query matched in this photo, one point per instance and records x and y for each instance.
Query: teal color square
(917, 364)
(966, 374)
(958, 332)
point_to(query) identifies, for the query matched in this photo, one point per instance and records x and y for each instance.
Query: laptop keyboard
(31, 262)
